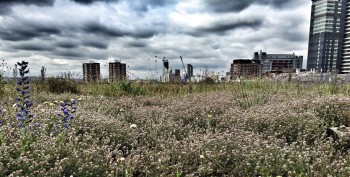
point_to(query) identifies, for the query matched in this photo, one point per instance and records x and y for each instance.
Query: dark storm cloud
(101, 29)
(146, 33)
(93, 1)
(96, 44)
(67, 44)
(136, 44)
(33, 47)
(138, 5)
(98, 28)
(26, 31)
(70, 53)
(34, 2)
(221, 27)
(224, 6)
(5, 5)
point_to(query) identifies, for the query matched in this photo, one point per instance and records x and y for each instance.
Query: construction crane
(184, 68)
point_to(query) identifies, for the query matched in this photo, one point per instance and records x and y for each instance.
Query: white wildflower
(133, 126)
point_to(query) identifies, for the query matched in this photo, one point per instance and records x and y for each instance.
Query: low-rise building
(279, 62)
(245, 68)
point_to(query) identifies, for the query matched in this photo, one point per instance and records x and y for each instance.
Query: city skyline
(61, 35)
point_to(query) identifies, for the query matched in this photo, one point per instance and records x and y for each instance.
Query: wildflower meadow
(248, 128)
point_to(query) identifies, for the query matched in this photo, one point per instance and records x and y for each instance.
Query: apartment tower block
(91, 71)
(117, 71)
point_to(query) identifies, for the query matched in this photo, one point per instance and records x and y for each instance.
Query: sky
(62, 34)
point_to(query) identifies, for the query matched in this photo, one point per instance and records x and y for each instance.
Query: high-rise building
(189, 71)
(117, 71)
(165, 76)
(329, 37)
(91, 71)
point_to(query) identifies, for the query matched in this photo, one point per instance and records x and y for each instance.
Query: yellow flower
(55, 102)
(4, 110)
(51, 104)
(42, 110)
(46, 102)
(209, 116)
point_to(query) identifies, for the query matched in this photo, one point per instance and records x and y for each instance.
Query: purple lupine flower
(65, 126)
(66, 112)
(24, 103)
(19, 82)
(36, 124)
(65, 119)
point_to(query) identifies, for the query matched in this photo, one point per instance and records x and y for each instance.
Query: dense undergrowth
(247, 128)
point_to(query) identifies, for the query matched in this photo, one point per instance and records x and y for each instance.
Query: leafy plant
(61, 85)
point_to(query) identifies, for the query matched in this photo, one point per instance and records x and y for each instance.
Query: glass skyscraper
(329, 38)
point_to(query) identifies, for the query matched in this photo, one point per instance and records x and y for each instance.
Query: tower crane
(184, 68)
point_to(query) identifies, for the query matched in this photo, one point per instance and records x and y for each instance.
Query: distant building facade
(279, 62)
(117, 71)
(245, 68)
(91, 72)
(177, 74)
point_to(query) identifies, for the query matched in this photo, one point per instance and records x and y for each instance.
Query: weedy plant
(2, 85)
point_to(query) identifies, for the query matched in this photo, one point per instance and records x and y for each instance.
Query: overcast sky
(63, 34)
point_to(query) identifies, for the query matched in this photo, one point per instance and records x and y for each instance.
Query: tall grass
(247, 128)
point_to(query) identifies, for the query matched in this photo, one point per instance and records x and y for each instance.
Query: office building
(117, 71)
(329, 37)
(279, 62)
(165, 76)
(245, 68)
(189, 71)
(91, 72)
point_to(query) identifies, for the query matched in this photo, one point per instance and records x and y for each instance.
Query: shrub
(2, 85)
(61, 85)
(130, 89)
(208, 81)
